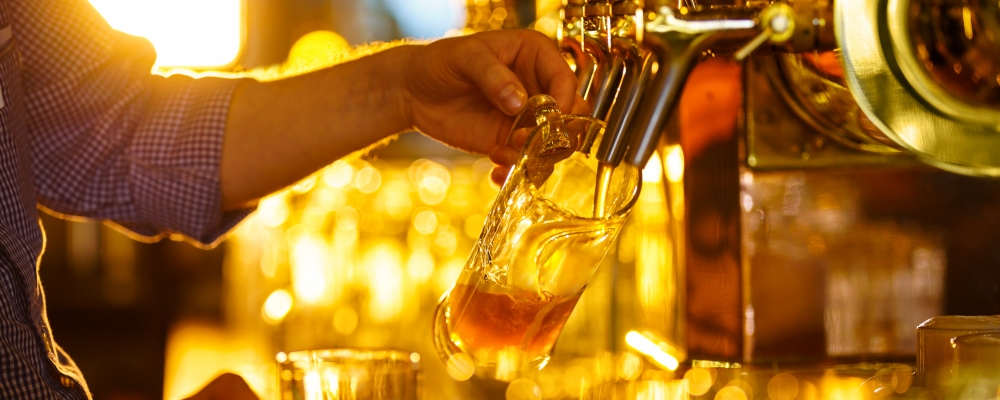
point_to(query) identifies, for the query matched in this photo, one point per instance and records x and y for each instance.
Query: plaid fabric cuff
(177, 185)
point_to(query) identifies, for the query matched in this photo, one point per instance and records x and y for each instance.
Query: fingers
(226, 386)
(499, 175)
(518, 137)
(580, 106)
(478, 62)
(504, 156)
(516, 64)
(545, 69)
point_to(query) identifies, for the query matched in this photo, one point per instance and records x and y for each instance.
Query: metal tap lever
(610, 83)
(677, 44)
(638, 69)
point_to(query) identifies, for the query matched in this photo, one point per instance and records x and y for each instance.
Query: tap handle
(778, 23)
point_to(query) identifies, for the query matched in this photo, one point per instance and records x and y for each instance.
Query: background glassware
(975, 372)
(552, 223)
(349, 374)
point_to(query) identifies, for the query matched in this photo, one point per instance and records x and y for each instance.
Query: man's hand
(466, 91)
(226, 387)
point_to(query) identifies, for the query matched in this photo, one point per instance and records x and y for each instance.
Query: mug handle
(540, 108)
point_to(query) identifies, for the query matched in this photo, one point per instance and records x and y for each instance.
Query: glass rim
(621, 212)
(987, 338)
(399, 356)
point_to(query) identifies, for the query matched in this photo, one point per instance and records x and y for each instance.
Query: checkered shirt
(86, 130)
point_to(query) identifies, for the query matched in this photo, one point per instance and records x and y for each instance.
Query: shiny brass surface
(834, 256)
(948, 51)
(679, 38)
(678, 43)
(889, 85)
(786, 131)
(796, 118)
(802, 203)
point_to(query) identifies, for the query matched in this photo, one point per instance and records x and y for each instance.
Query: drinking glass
(349, 374)
(553, 221)
(975, 370)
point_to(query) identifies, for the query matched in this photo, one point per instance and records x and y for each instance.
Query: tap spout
(595, 69)
(583, 64)
(609, 84)
(638, 69)
(677, 44)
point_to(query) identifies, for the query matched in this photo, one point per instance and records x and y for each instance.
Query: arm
(461, 91)
(108, 139)
(167, 155)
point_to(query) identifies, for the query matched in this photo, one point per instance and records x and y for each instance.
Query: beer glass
(553, 221)
(349, 374)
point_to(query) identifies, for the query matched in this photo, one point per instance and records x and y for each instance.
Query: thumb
(496, 81)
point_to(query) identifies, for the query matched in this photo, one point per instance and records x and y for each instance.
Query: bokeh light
(523, 389)
(698, 381)
(731, 393)
(185, 33)
(316, 47)
(460, 367)
(783, 386)
(277, 305)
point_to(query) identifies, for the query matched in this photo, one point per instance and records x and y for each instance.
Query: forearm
(279, 132)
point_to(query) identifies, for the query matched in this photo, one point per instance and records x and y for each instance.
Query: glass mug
(349, 374)
(553, 221)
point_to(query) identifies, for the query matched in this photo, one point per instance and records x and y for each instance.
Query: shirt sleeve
(111, 140)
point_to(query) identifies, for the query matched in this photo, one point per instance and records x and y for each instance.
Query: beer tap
(595, 44)
(631, 67)
(679, 37)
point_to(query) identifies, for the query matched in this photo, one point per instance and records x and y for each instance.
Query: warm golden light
(313, 385)
(783, 386)
(460, 367)
(277, 305)
(273, 211)
(317, 45)
(185, 33)
(629, 366)
(642, 344)
(698, 381)
(345, 320)
(420, 265)
(653, 171)
(523, 389)
(675, 163)
(731, 393)
(197, 352)
(338, 174)
(308, 272)
(385, 268)
(368, 179)
(660, 390)
(425, 222)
